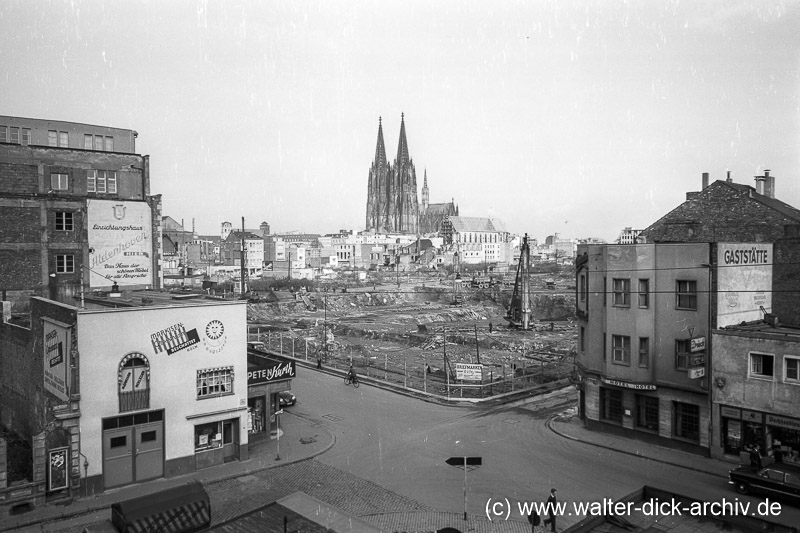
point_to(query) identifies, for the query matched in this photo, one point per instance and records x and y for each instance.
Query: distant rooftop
(150, 298)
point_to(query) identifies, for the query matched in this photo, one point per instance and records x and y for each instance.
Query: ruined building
(392, 205)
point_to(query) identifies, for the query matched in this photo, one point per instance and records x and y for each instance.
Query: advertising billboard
(120, 242)
(744, 282)
(56, 354)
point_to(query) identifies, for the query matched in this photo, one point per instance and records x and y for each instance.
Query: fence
(411, 367)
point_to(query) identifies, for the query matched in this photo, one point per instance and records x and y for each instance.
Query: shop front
(267, 375)
(777, 436)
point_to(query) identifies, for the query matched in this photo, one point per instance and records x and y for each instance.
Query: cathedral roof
(402, 145)
(445, 208)
(477, 224)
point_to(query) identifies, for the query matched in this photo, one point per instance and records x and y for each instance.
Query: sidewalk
(300, 440)
(569, 426)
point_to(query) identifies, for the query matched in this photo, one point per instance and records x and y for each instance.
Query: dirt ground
(396, 333)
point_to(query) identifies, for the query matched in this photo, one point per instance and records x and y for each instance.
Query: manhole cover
(333, 418)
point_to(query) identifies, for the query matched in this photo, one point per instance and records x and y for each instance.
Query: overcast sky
(578, 118)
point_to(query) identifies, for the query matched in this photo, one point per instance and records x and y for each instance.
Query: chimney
(729, 177)
(769, 184)
(759, 184)
(705, 180)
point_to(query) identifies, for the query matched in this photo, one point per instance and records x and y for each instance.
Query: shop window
(611, 405)
(208, 436)
(133, 380)
(686, 422)
(792, 373)
(622, 292)
(761, 365)
(647, 412)
(214, 382)
(621, 349)
(686, 294)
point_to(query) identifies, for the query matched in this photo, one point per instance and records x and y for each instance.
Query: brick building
(76, 213)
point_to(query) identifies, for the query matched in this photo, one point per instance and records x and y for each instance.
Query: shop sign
(782, 421)
(698, 372)
(751, 416)
(730, 412)
(697, 344)
(174, 339)
(57, 470)
(271, 370)
(469, 372)
(697, 360)
(628, 385)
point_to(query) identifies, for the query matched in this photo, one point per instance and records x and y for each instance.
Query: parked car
(286, 398)
(777, 480)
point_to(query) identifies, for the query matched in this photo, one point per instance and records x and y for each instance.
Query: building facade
(76, 211)
(477, 240)
(643, 311)
(756, 391)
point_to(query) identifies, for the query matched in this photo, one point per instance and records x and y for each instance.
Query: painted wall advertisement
(56, 348)
(744, 276)
(120, 242)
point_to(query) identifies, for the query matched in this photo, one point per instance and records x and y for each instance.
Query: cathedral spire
(380, 150)
(402, 146)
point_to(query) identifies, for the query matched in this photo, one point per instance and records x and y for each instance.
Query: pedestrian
(777, 453)
(490, 327)
(755, 456)
(551, 510)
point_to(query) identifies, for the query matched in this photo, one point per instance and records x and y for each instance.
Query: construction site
(450, 335)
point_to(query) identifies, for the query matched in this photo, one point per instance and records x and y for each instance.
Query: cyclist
(352, 374)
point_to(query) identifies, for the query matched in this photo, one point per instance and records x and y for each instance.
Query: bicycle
(348, 379)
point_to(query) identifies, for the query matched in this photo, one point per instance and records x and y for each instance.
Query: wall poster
(56, 355)
(120, 243)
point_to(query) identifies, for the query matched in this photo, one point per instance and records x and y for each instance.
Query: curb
(634, 454)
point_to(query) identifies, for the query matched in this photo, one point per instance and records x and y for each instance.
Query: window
(208, 436)
(682, 350)
(621, 349)
(686, 424)
(611, 404)
(65, 264)
(647, 412)
(605, 291)
(134, 383)
(583, 339)
(644, 352)
(214, 382)
(14, 135)
(64, 221)
(761, 365)
(109, 144)
(63, 139)
(59, 182)
(87, 141)
(52, 138)
(101, 181)
(622, 292)
(644, 293)
(3, 134)
(792, 369)
(26, 135)
(686, 294)
(98, 142)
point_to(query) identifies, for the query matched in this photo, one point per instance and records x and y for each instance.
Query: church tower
(425, 192)
(392, 189)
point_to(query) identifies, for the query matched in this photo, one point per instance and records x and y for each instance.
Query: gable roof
(477, 224)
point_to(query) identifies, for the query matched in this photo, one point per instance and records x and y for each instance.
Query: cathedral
(392, 205)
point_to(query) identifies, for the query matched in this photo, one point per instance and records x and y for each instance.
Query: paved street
(381, 456)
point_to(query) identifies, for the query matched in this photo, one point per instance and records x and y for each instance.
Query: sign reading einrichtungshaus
(120, 242)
